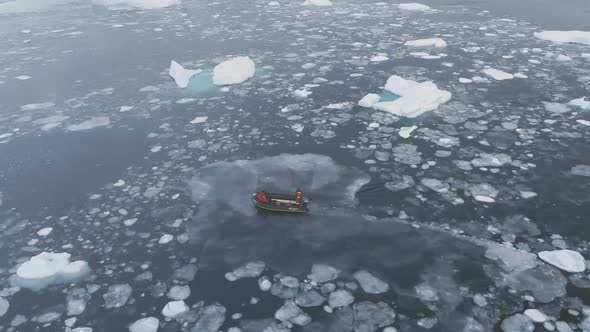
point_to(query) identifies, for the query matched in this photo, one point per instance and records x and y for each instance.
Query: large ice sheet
(557, 36)
(48, 268)
(181, 75)
(415, 98)
(233, 71)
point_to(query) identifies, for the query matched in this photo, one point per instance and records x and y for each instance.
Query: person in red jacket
(298, 196)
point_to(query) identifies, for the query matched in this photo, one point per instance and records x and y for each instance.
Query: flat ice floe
(369, 100)
(581, 103)
(574, 36)
(430, 42)
(48, 268)
(95, 122)
(148, 324)
(414, 6)
(233, 71)
(567, 260)
(136, 4)
(415, 98)
(25, 6)
(317, 3)
(497, 74)
(181, 75)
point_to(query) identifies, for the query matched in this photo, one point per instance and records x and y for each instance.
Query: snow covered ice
(117, 295)
(48, 268)
(181, 75)
(567, 260)
(412, 6)
(317, 3)
(233, 71)
(431, 42)
(148, 324)
(498, 74)
(136, 4)
(574, 36)
(174, 308)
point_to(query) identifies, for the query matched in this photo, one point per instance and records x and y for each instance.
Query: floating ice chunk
(567, 260)
(556, 108)
(581, 103)
(95, 122)
(45, 231)
(339, 106)
(405, 132)
(369, 283)
(429, 42)
(484, 199)
(49, 268)
(581, 170)
(323, 273)
(556, 36)
(186, 273)
(36, 107)
(340, 298)
(415, 98)
(136, 4)
(491, 160)
(174, 308)
(369, 100)
(302, 93)
(528, 194)
(563, 58)
(4, 305)
(233, 71)
(426, 293)
(273, 3)
(76, 301)
(82, 329)
(317, 3)
(369, 316)
(379, 58)
(309, 298)
(498, 74)
(583, 122)
(465, 80)
(179, 292)
(23, 77)
(211, 318)
(181, 75)
(400, 182)
(117, 296)
(517, 323)
(413, 6)
(536, 315)
(125, 108)
(407, 154)
(563, 327)
(248, 270)
(166, 238)
(291, 313)
(520, 75)
(148, 324)
(427, 322)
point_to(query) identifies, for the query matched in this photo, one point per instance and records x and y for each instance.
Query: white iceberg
(148, 324)
(95, 122)
(317, 3)
(181, 75)
(430, 42)
(566, 260)
(174, 308)
(233, 71)
(48, 268)
(413, 6)
(497, 74)
(415, 98)
(581, 103)
(136, 4)
(573, 36)
(369, 100)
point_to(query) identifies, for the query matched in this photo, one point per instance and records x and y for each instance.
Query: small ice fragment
(340, 298)
(484, 199)
(179, 292)
(565, 259)
(248, 270)
(528, 194)
(323, 273)
(413, 6)
(117, 296)
(536, 315)
(166, 238)
(370, 283)
(44, 231)
(429, 42)
(405, 132)
(233, 71)
(465, 80)
(95, 122)
(264, 284)
(36, 107)
(148, 324)
(291, 313)
(174, 308)
(497, 74)
(317, 3)
(119, 183)
(369, 100)
(199, 119)
(517, 323)
(156, 149)
(4, 305)
(23, 77)
(125, 108)
(379, 58)
(181, 75)
(374, 125)
(130, 222)
(583, 122)
(302, 93)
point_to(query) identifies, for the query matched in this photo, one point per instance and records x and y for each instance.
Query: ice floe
(117, 295)
(181, 75)
(148, 324)
(536, 315)
(574, 36)
(369, 283)
(4, 305)
(565, 259)
(233, 71)
(136, 4)
(415, 98)
(174, 308)
(430, 42)
(369, 100)
(517, 323)
(412, 6)
(248, 270)
(323, 273)
(498, 74)
(95, 122)
(291, 313)
(581, 103)
(317, 3)
(340, 298)
(405, 132)
(48, 268)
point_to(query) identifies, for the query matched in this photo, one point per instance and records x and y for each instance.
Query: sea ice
(291, 313)
(430, 42)
(517, 323)
(45, 231)
(181, 75)
(4, 305)
(340, 298)
(536, 315)
(76, 300)
(211, 318)
(413, 6)
(136, 4)
(186, 273)
(248, 270)
(178, 293)
(117, 296)
(379, 58)
(574, 36)
(166, 238)
(491, 160)
(49, 268)
(498, 74)
(174, 308)
(309, 298)
(369, 283)
(567, 260)
(148, 324)
(199, 119)
(323, 273)
(581, 103)
(405, 132)
(581, 170)
(36, 107)
(369, 100)
(556, 108)
(95, 122)
(233, 71)
(317, 3)
(369, 316)
(415, 98)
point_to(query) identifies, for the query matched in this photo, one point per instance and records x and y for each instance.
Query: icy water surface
(427, 223)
